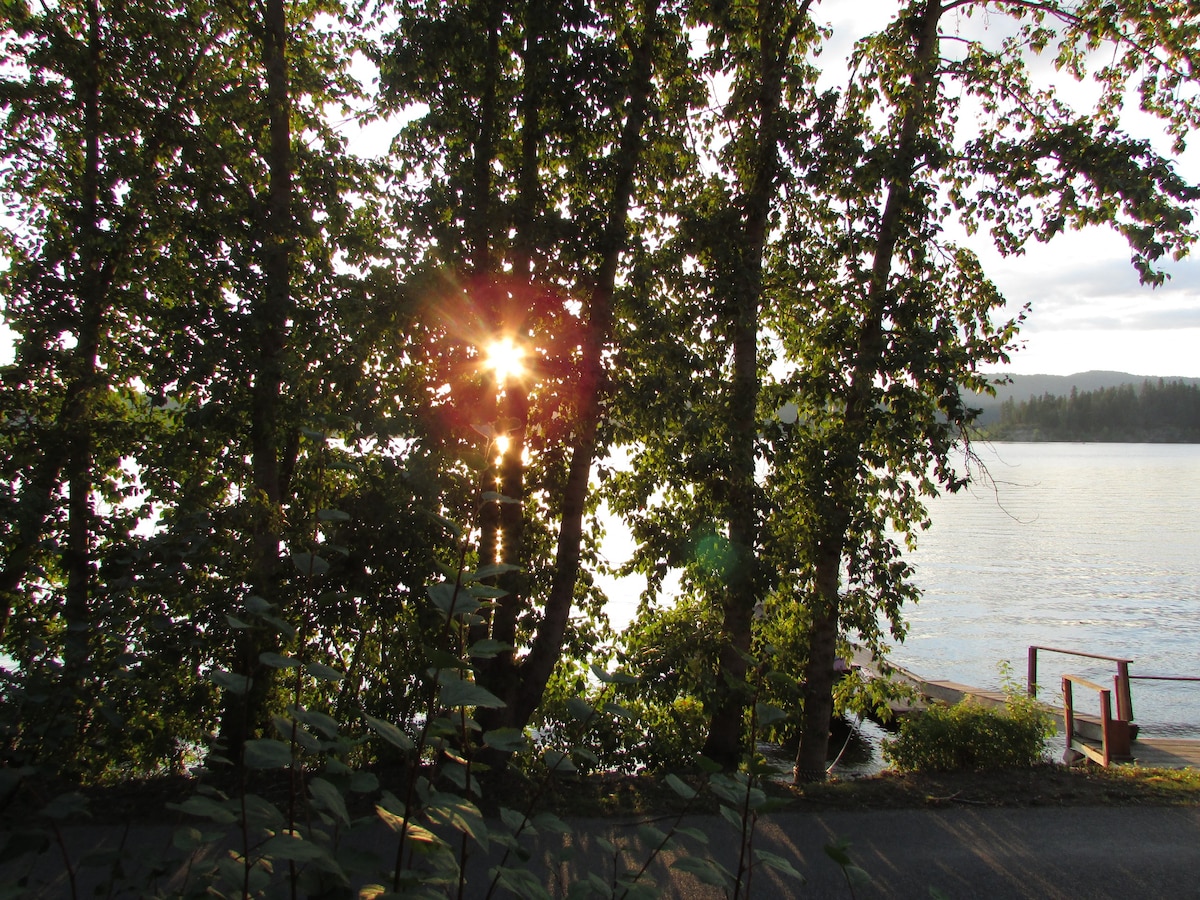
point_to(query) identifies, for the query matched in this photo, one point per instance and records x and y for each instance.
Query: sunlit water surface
(1092, 547)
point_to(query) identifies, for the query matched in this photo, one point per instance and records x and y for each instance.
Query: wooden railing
(1124, 700)
(1116, 737)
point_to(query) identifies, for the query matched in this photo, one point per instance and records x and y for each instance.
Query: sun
(505, 359)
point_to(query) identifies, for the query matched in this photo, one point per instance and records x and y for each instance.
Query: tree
(91, 130)
(901, 319)
(192, 292)
(536, 152)
(698, 474)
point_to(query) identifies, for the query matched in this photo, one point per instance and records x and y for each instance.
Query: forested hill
(1157, 410)
(1025, 387)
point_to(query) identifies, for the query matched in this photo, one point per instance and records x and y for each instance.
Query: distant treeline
(1158, 411)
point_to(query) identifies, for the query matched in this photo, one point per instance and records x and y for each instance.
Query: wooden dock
(1151, 752)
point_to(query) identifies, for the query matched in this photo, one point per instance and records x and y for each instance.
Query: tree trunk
(269, 316)
(847, 444)
(78, 405)
(724, 742)
(822, 655)
(544, 654)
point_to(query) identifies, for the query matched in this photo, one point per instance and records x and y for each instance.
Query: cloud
(1085, 282)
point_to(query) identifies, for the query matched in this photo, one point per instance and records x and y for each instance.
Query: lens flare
(505, 359)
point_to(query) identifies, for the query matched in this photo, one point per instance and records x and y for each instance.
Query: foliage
(248, 382)
(972, 736)
(633, 729)
(307, 843)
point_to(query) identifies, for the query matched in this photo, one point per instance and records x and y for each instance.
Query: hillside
(1024, 387)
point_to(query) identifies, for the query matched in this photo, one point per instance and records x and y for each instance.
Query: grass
(145, 802)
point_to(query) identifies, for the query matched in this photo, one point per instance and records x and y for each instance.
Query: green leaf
(330, 798)
(451, 599)
(310, 564)
(778, 863)
(516, 821)
(488, 649)
(550, 823)
(290, 847)
(839, 852)
(275, 661)
(494, 497)
(651, 836)
(66, 806)
(284, 628)
(206, 808)
(612, 677)
(492, 570)
(732, 816)
(586, 755)
(453, 527)
(413, 831)
(618, 711)
(390, 733)
(290, 729)
(506, 740)
(705, 871)
(579, 709)
(333, 515)
(768, 714)
(266, 753)
(258, 605)
(856, 876)
(558, 762)
(235, 684)
(457, 692)
(324, 723)
(679, 786)
(486, 592)
(322, 672)
(237, 624)
(696, 834)
(442, 659)
(460, 814)
(519, 882)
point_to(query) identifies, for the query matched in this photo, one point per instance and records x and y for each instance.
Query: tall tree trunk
(544, 654)
(269, 315)
(842, 485)
(78, 407)
(500, 673)
(724, 742)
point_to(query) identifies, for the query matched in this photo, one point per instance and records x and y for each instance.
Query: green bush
(969, 735)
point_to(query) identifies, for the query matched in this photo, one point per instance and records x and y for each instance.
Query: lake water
(1092, 547)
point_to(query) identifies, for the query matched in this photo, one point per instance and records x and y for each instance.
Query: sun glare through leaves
(505, 359)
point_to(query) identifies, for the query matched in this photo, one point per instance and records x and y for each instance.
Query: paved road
(960, 852)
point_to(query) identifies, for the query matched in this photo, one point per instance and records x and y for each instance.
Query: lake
(1092, 547)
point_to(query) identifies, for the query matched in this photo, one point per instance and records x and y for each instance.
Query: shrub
(969, 735)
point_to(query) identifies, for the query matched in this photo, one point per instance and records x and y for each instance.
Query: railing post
(1124, 699)
(1031, 674)
(1106, 748)
(1068, 712)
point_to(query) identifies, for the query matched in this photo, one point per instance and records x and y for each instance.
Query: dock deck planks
(1151, 752)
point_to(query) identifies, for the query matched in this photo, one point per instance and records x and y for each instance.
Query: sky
(1088, 311)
